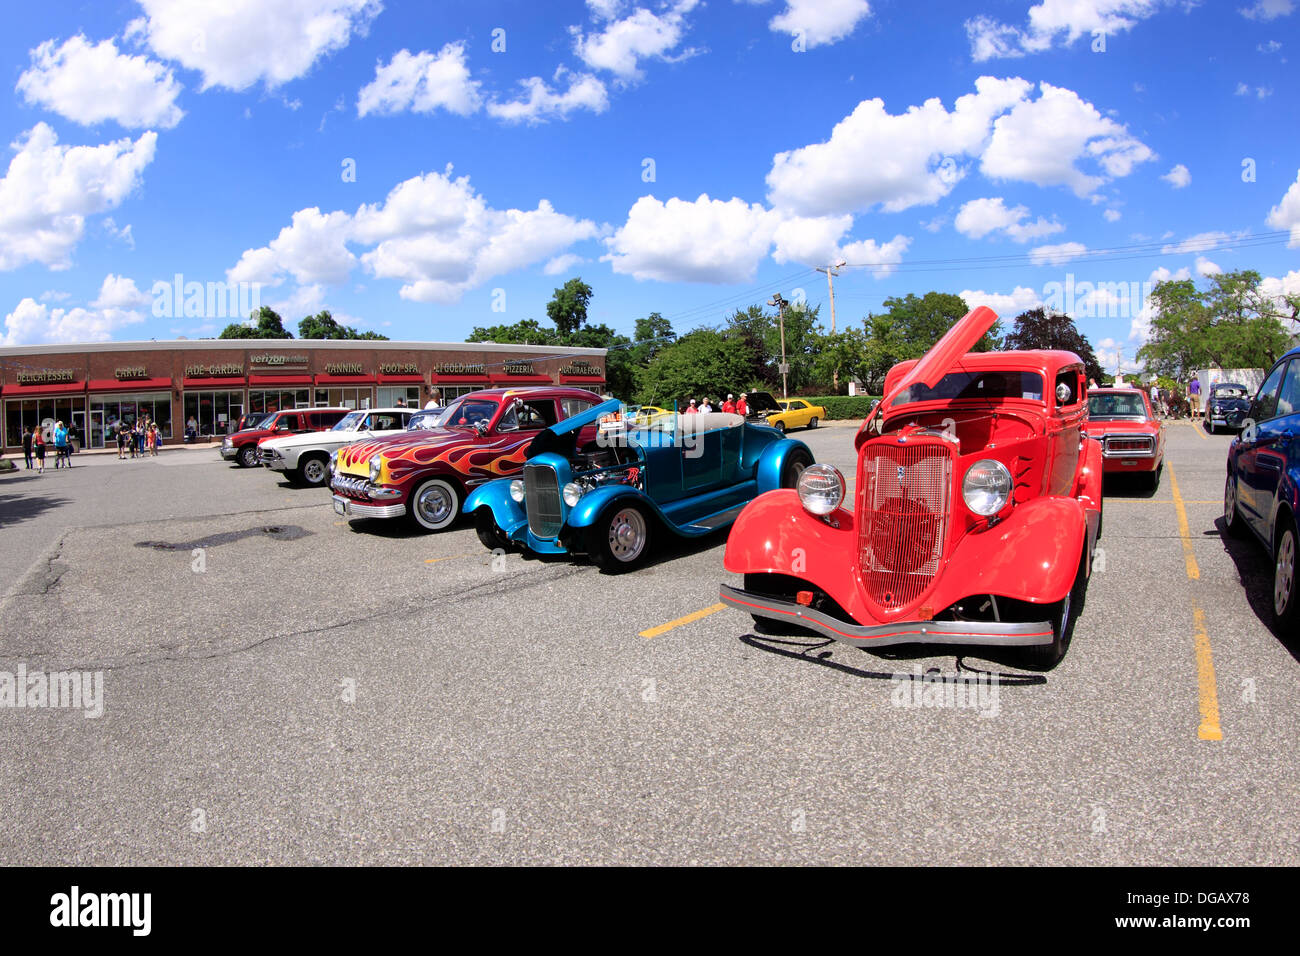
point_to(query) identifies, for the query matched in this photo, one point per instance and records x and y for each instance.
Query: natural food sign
(47, 376)
(579, 367)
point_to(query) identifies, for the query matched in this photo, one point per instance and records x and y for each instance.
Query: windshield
(467, 413)
(981, 386)
(1228, 391)
(1116, 405)
(257, 421)
(349, 422)
(425, 419)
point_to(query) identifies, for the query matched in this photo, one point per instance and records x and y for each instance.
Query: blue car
(687, 475)
(1262, 492)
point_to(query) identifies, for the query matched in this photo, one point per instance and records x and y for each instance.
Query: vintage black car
(1226, 405)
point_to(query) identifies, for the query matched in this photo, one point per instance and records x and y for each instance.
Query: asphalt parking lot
(284, 686)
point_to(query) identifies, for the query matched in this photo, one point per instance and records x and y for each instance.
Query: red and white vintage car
(974, 517)
(1132, 438)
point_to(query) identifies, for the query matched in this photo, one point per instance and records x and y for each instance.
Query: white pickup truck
(304, 459)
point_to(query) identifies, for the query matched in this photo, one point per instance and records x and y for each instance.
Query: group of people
(732, 405)
(35, 444)
(138, 439)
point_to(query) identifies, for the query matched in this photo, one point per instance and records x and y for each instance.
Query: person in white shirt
(706, 407)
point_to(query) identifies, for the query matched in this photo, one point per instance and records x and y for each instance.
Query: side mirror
(481, 427)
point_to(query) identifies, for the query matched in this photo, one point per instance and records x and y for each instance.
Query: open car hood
(560, 434)
(944, 354)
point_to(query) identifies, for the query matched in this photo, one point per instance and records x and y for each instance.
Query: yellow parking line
(447, 558)
(1208, 690)
(1160, 501)
(1207, 687)
(693, 616)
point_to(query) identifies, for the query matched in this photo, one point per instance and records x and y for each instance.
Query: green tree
(1232, 323)
(323, 325)
(523, 332)
(843, 357)
(649, 335)
(1044, 329)
(568, 306)
(701, 363)
(265, 323)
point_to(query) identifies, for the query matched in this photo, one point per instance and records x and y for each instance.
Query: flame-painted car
(1132, 438)
(610, 495)
(973, 521)
(425, 475)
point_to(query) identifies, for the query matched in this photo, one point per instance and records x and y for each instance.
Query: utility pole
(780, 304)
(831, 273)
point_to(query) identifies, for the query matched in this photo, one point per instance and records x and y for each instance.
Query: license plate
(340, 507)
(1128, 463)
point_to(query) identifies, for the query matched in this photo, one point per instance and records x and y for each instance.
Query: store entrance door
(95, 439)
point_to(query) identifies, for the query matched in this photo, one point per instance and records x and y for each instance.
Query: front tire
(247, 457)
(620, 540)
(313, 471)
(1232, 519)
(1284, 581)
(780, 426)
(489, 532)
(794, 466)
(1064, 615)
(434, 505)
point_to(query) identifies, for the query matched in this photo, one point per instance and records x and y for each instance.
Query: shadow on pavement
(16, 508)
(1255, 572)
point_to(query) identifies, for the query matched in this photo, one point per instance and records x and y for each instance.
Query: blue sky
(422, 168)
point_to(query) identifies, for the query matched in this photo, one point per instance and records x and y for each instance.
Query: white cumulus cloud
(49, 190)
(119, 292)
(1056, 255)
(1059, 22)
(622, 44)
(92, 82)
(1178, 177)
(980, 217)
(422, 83)
(820, 22)
(1285, 215)
(1020, 299)
(1268, 9)
(34, 323)
(540, 102)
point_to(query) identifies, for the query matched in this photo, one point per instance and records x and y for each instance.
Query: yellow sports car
(647, 416)
(798, 414)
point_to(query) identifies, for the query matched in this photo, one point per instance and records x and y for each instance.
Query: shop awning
(130, 385)
(62, 388)
(231, 382)
(401, 379)
(522, 380)
(345, 380)
(279, 380)
(582, 380)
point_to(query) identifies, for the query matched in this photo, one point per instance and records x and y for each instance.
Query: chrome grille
(542, 500)
(904, 526)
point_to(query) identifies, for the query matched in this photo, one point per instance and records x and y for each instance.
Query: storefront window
(208, 414)
(343, 397)
(449, 393)
(108, 412)
(389, 394)
(40, 412)
(278, 399)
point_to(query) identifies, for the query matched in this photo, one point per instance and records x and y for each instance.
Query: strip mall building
(208, 384)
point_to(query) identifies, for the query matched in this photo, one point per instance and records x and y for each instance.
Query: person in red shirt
(729, 406)
(691, 408)
(742, 406)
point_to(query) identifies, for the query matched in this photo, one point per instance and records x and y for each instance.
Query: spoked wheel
(620, 539)
(248, 456)
(780, 426)
(1231, 517)
(812, 422)
(1284, 580)
(434, 505)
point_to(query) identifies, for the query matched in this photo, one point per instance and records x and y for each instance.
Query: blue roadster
(688, 474)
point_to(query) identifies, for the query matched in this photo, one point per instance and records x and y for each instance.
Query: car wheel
(314, 471)
(773, 627)
(1284, 580)
(620, 540)
(1232, 519)
(795, 464)
(812, 422)
(780, 426)
(1211, 428)
(489, 532)
(1153, 482)
(248, 456)
(434, 505)
(1063, 615)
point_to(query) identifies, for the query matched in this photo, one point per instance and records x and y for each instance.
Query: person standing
(1194, 394)
(38, 446)
(27, 447)
(742, 406)
(121, 439)
(729, 406)
(691, 409)
(706, 408)
(61, 446)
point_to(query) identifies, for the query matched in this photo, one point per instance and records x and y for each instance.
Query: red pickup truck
(242, 445)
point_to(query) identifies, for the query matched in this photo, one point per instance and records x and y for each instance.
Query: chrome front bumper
(229, 452)
(972, 633)
(356, 509)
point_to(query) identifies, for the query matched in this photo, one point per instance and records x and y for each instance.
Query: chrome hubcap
(1230, 501)
(1284, 574)
(314, 472)
(434, 504)
(627, 535)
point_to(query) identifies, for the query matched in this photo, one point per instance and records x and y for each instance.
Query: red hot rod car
(974, 517)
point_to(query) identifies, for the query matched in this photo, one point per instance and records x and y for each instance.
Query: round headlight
(821, 489)
(376, 462)
(517, 491)
(986, 487)
(572, 493)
